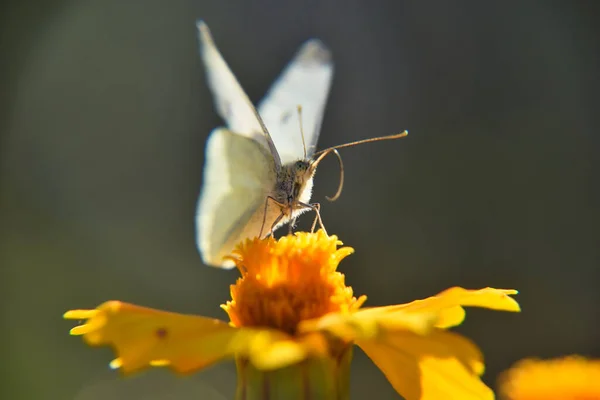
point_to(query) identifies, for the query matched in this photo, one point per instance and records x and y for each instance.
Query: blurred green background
(104, 116)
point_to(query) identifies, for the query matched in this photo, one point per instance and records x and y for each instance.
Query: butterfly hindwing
(238, 174)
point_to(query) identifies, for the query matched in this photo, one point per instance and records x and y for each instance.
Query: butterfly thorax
(294, 184)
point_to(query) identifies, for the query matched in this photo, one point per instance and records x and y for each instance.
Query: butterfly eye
(299, 164)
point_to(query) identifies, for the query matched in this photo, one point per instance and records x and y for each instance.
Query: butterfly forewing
(304, 82)
(232, 103)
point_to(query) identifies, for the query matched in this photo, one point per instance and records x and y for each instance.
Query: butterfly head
(295, 183)
(302, 173)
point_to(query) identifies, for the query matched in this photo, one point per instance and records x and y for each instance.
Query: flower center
(289, 280)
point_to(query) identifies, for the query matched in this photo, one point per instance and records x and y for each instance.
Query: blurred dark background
(105, 113)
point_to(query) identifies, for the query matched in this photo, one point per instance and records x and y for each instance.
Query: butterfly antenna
(375, 139)
(301, 129)
(324, 154)
(341, 184)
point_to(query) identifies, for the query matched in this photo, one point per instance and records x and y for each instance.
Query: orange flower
(569, 378)
(292, 316)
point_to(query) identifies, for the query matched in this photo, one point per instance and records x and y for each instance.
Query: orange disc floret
(289, 280)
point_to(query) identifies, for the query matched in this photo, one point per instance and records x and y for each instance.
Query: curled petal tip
(116, 363)
(80, 314)
(80, 330)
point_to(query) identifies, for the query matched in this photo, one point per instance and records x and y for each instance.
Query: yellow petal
(369, 323)
(494, 299)
(80, 314)
(116, 363)
(268, 349)
(160, 363)
(278, 354)
(448, 304)
(442, 365)
(143, 336)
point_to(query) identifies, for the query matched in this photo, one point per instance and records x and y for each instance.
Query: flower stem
(312, 379)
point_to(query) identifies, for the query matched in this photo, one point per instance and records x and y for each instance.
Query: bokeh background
(105, 113)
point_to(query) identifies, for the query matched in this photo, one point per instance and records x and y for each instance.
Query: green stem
(313, 379)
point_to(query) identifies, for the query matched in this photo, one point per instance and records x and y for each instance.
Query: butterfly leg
(317, 210)
(276, 222)
(262, 227)
(316, 207)
(291, 225)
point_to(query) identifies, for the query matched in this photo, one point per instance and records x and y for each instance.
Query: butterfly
(259, 169)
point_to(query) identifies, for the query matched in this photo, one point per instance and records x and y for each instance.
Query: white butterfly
(258, 179)
(249, 171)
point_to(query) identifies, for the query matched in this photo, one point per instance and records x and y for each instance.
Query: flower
(568, 378)
(292, 316)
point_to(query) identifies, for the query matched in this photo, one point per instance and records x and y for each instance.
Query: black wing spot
(285, 117)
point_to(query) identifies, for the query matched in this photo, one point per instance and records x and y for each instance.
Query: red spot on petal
(161, 333)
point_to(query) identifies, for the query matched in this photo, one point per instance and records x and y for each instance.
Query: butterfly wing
(232, 103)
(239, 174)
(305, 82)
